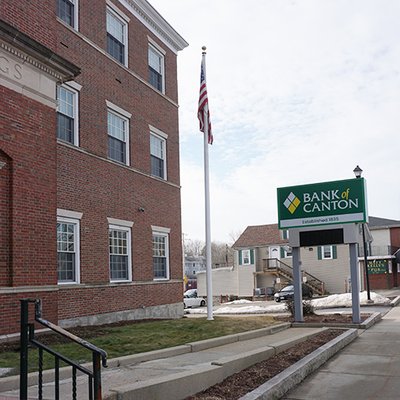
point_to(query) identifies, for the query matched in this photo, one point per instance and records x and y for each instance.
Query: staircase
(286, 271)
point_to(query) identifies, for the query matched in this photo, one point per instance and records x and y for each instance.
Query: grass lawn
(138, 337)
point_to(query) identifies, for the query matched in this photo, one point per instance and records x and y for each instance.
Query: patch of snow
(5, 371)
(243, 301)
(334, 300)
(344, 300)
(279, 308)
(252, 310)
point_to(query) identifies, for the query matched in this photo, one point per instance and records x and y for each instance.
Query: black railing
(27, 339)
(287, 271)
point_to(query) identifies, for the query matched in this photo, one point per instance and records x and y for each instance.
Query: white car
(190, 293)
(190, 299)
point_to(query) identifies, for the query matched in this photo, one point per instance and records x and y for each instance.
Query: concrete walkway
(367, 369)
(181, 371)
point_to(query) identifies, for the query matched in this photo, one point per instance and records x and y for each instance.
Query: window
(156, 68)
(161, 253)
(157, 155)
(67, 10)
(117, 36)
(327, 252)
(67, 250)
(118, 130)
(67, 114)
(120, 253)
(246, 257)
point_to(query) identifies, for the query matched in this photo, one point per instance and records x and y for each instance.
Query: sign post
(323, 214)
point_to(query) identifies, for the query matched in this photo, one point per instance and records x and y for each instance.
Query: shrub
(308, 308)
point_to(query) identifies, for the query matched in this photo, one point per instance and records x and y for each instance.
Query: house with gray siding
(263, 262)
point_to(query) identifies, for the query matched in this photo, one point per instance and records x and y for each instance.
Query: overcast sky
(300, 91)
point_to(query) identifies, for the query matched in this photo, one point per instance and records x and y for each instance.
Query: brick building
(89, 161)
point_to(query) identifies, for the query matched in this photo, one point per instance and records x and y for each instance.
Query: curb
(395, 301)
(220, 341)
(280, 384)
(372, 320)
(180, 385)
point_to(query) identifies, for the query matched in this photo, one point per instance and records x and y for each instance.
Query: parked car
(190, 299)
(190, 293)
(288, 293)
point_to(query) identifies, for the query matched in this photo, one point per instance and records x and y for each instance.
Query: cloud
(300, 92)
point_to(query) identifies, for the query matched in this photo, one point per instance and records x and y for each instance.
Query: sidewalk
(176, 373)
(367, 369)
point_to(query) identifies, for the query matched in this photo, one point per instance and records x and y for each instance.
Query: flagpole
(207, 208)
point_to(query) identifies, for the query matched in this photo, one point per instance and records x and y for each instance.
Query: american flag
(203, 110)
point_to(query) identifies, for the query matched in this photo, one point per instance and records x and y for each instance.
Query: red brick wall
(395, 237)
(35, 18)
(78, 302)
(27, 203)
(10, 309)
(101, 189)
(47, 175)
(380, 281)
(5, 218)
(27, 137)
(92, 25)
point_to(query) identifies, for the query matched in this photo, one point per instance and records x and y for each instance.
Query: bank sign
(325, 203)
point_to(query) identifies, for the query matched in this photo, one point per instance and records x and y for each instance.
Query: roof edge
(156, 23)
(31, 47)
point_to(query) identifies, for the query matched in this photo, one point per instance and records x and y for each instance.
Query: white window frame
(161, 53)
(247, 256)
(323, 253)
(125, 115)
(118, 14)
(71, 217)
(124, 228)
(74, 89)
(76, 15)
(163, 138)
(164, 232)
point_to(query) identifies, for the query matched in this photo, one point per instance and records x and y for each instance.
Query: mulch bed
(239, 384)
(336, 318)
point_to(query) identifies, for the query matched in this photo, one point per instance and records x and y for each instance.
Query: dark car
(288, 293)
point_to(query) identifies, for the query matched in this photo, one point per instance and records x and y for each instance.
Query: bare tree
(193, 247)
(221, 254)
(234, 235)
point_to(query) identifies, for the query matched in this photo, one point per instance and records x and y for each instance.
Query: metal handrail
(69, 335)
(28, 337)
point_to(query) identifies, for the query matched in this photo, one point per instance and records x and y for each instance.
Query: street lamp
(357, 172)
